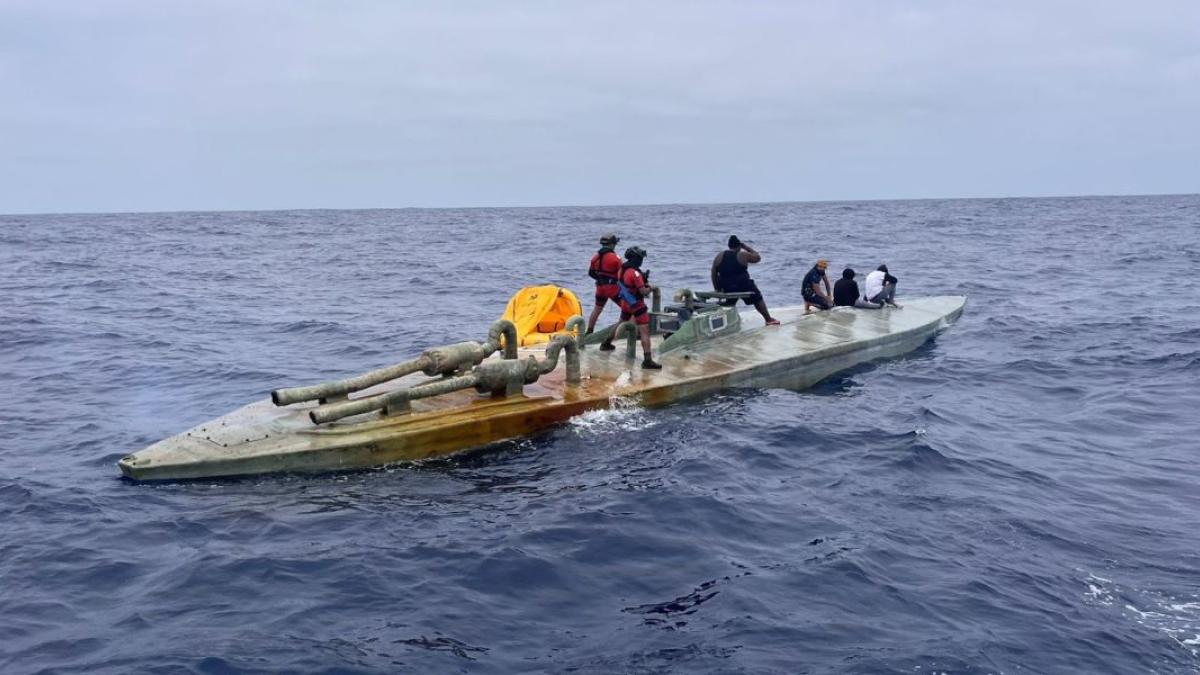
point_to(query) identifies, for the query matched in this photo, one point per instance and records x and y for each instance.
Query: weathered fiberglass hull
(263, 438)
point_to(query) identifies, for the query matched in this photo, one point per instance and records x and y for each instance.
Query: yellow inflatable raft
(541, 312)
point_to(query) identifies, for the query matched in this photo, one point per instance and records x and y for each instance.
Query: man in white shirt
(880, 287)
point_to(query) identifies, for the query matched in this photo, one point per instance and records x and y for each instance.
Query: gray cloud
(146, 105)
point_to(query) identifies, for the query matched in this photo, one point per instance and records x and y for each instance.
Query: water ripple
(1017, 495)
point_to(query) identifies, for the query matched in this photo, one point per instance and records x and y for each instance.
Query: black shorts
(748, 287)
(817, 300)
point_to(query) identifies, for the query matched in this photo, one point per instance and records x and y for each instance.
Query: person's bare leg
(761, 306)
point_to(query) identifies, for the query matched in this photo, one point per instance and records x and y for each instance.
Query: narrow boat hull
(805, 349)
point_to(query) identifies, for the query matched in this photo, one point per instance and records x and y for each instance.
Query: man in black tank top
(730, 274)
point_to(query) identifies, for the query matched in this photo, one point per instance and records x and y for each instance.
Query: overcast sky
(164, 105)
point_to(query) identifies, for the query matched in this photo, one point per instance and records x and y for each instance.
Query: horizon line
(584, 206)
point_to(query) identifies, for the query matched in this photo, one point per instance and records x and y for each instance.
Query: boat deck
(804, 349)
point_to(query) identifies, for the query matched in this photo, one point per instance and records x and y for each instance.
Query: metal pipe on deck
(631, 341)
(397, 401)
(506, 328)
(557, 344)
(503, 377)
(391, 401)
(340, 388)
(578, 324)
(437, 361)
(446, 360)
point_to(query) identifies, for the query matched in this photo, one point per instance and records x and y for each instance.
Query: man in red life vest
(605, 268)
(633, 289)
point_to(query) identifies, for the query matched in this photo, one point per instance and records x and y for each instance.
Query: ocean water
(1020, 495)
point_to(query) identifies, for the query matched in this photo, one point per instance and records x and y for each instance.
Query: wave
(941, 512)
(623, 415)
(312, 327)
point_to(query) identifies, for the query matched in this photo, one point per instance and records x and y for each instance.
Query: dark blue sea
(1020, 495)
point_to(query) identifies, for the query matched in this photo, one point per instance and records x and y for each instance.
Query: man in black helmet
(730, 274)
(632, 290)
(605, 267)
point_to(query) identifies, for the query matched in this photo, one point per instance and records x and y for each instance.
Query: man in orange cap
(811, 287)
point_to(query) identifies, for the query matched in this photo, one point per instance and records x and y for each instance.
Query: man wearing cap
(605, 267)
(730, 274)
(811, 287)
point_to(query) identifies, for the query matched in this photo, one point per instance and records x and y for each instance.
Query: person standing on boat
(633, 288)
(811, 287)
(605, 267)
(731, 274)
(845, 293)
(880, 287)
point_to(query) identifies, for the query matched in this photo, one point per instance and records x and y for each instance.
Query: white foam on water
(1099, 590)
(623, 415)
(1177, 619)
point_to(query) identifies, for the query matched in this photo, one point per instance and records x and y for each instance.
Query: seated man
(811, 287)
(845, 293)
(881, 287)
(730, 274)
